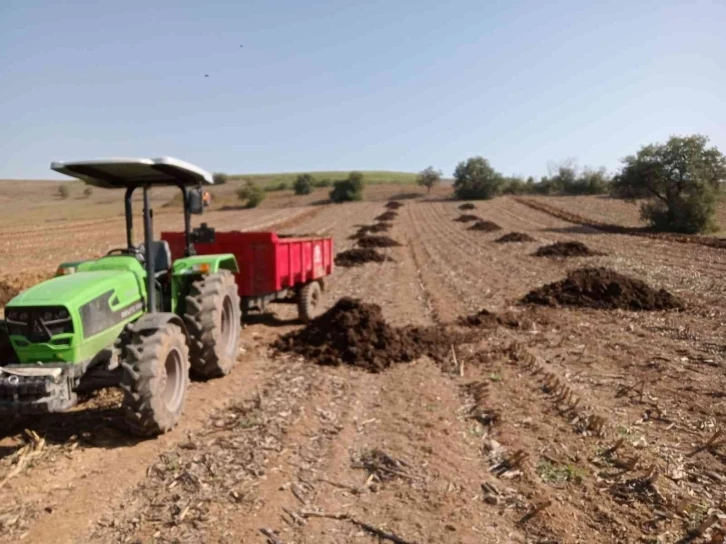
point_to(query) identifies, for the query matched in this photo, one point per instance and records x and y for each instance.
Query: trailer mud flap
(34, 390)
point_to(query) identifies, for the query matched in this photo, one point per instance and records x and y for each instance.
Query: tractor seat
(160, 256)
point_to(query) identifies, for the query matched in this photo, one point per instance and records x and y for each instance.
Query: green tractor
(131, 319)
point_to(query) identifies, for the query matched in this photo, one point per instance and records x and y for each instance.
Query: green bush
(681, 178)
(322, 183)
(252, 193)
(220, 178)
(304, 184)
(475, 179)
(348, 190)
(692, 214)
(280, 186)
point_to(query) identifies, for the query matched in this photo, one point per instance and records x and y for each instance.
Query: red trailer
(272, 268)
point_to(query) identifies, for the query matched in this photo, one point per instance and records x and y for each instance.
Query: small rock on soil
(377, 241)
(514, 237)
(466, 218)
(359, 256)
(387, 216)
(605, 289)
(485, 226)
(566, 249)
(354, 333)
(467, 206)
(393, 205)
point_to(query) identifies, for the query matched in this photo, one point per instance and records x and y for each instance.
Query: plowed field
(573, 425)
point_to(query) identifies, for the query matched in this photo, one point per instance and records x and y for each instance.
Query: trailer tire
(155, 380)
(309, 302)
(213, 319)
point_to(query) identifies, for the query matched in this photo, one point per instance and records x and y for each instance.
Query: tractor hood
(71, 290)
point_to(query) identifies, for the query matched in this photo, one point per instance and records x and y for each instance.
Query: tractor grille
(38, 324)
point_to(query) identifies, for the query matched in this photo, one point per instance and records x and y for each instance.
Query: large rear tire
(155, 380)
(213, 318)
(308, 304)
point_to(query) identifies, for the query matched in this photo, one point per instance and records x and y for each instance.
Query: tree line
(678, 182)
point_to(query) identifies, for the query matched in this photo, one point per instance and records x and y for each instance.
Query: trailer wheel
(213, 319)
(309, 302)
(155, 379)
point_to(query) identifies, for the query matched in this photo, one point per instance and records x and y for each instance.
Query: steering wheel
(133, 252)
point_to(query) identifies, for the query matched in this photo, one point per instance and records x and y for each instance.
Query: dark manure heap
(485, 226)
(467, 206)
(466, 218)
(359, 256)
(377, 242)
(390, 215)
(393, 205)
(512, 237)
(370, 229)
(603, 289)
(566, 249)
(354, 333)
(489, 320)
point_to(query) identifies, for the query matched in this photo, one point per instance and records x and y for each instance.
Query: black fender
(153, 322)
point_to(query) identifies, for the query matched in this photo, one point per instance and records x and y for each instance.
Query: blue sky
(335, 85)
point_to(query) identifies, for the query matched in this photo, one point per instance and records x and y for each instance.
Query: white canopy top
(123, 172)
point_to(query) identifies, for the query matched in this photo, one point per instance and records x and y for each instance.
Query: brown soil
(604, 289)
(467, 206)
(354, 333)
(359, 256)
(394, 205)
(485, 226)
(566, 249)
(11, 286)
(466, 218)
(387, 216)
(377, 241)
(577, 219)
(514, 237)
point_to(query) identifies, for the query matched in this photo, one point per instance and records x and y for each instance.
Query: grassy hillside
(370, 176)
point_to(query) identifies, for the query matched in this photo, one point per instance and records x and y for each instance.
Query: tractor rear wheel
(213, 317)
(155, 380)
(309, 302)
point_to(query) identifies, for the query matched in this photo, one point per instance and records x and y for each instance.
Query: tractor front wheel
(213, 318)
(155, 380)
(308, 303)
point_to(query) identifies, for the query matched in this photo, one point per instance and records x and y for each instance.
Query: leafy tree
(252, 193)
(304, 184)
(63, 191)
(681, 178)
(514, 186)
(87, 192)
(476, 179)
(348, 190)
(428, 178)
(220, 178)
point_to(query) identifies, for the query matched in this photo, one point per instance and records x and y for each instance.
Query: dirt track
(529, 424)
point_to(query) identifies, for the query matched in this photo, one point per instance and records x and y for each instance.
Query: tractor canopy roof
(123, 172)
